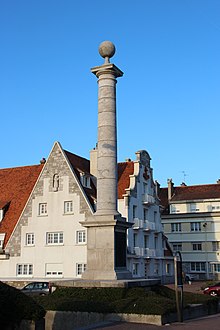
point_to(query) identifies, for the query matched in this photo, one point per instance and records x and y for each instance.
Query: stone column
(107, 135)
(106, 229)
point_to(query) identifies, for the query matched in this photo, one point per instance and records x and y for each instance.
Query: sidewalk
(195, 287)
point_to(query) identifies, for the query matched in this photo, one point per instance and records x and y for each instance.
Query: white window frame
(80, 268)
(216, 268)
(68, 207)
(197, 246)
(135, 268)
(24, 270)
(216, 246)
(42, 209)
(81, 237)
(54, 238)
(177, 246)
(198, 266)
(194, 207)
(30, 239)
(85, 180)
(195, 226)
(176, 227)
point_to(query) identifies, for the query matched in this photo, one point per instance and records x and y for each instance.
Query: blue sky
(168, 101)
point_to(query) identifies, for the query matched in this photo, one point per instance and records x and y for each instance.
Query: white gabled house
(42, 207)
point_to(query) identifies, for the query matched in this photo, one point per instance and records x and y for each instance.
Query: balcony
(148, 225)
(149, 253)
(142, 252)
(138, 223)
(138, 251)
(148, 199)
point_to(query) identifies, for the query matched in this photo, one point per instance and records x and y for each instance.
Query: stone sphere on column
(107, 49)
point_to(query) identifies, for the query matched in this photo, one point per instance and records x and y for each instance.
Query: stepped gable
(125, 169)
(16, 185)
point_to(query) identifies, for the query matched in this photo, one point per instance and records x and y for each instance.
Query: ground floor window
(216, 268)
(80, 268)
(197, 266)
(24, 270)
(135, 268)
(168, 269)
(54, 270)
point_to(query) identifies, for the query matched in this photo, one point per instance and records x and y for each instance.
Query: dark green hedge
(16, 306)
(159, 301)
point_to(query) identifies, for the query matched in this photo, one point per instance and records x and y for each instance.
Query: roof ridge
(19, 167)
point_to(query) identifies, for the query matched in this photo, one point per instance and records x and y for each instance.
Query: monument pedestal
(106, 248)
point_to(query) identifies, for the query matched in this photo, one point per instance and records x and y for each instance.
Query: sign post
(178, 284)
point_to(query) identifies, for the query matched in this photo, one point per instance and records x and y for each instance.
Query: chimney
(170, 188)
(43, 161)
(157, 186)
(93, 162)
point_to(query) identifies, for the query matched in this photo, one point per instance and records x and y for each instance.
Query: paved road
(209, 322)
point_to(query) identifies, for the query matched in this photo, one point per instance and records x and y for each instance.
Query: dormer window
(1, 215)
(2, 238)
(3, 208)
(85, 180)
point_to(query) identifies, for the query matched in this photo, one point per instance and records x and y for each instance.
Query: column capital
(107, 68)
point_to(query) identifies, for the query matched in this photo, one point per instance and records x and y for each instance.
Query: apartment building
(191, 222)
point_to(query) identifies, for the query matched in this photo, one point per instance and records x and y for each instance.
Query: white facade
(49, 241)
(146, 242)
(192, 224)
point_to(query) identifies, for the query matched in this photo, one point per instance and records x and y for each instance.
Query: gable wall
(40, 254)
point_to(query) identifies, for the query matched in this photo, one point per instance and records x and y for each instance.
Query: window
(55, 270)
(80, 268)
(216, 246)
(156, 242)
(146, 241)
(197, 266)
(194, 208)
(215, 207)
(135, 240)
(217, 268)
(81, 237)
(68, 207)
(54, 238)
(29, 239)
(177, 246)
(135, 269)
(24, 269)
(197, 246)
(85, 180)
(195, 226)
(168, 268)
(145, 214)
(134, 211)
(176, 227)
(42, 208)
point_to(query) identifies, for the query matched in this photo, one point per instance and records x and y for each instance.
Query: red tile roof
(188, 193)
(124, 171)
(16, 185)
(81, 164)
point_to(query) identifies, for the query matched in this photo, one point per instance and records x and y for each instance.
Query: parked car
(37, 288)
(213, 290)
(189, 278)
